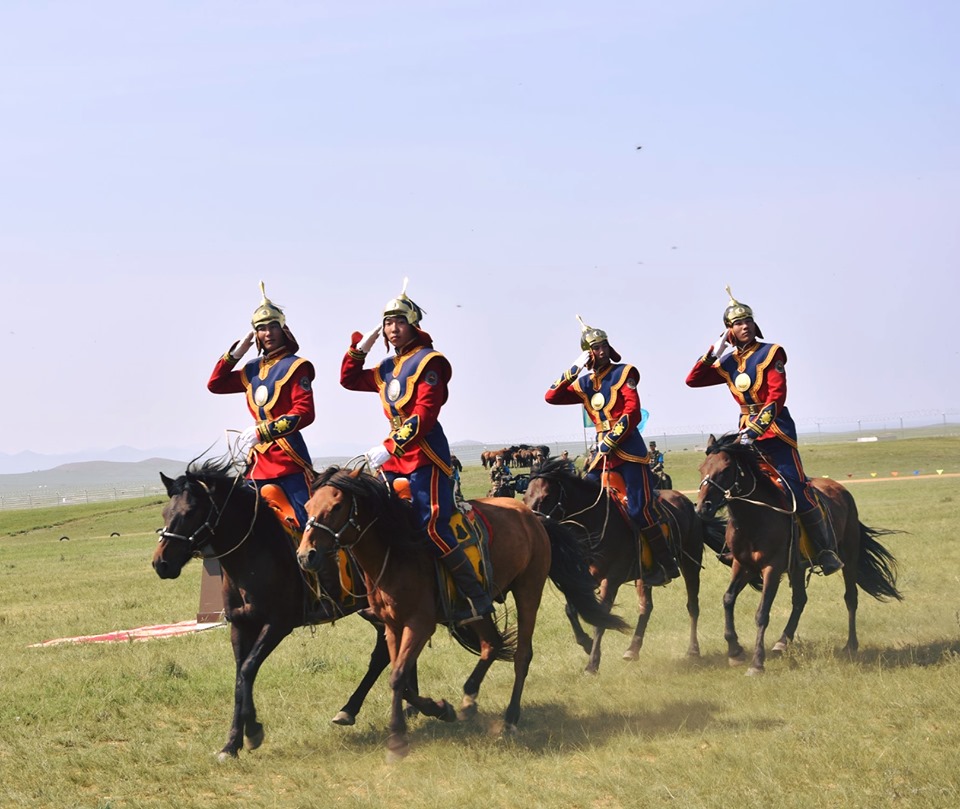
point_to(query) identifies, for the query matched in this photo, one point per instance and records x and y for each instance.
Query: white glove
(246, 441)
(581, 360)
(243, 346)
(377, 456)
(746, 439)
(368, 340)
(720, 346)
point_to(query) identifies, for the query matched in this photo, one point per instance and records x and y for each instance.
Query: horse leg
(527, 603)
(771, 583)
(691, 578)
(245, 729)
(608, 591)
(738, 581)
(645, 605)
(799, 601)
(582, 638)
(850, 597)
(408, 650)
(489, 646)
(379, 660)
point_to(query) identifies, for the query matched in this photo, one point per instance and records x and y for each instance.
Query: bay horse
(583, 504)
(357, 511)
(762, 537)
(214, 514)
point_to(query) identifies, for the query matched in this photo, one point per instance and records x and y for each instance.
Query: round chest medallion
(597, 401)
(393, 390)
(742, 382)
(260, 396)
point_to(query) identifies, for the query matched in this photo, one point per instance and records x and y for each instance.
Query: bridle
(736, 490)
(196, 541)
(351, 522)
(339, 545)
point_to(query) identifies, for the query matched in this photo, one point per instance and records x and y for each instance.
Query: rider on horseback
(413, 386)
(609, 395)
(279, 392)
(755, 374)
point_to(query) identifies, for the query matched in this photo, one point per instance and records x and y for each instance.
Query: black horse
(214, 514)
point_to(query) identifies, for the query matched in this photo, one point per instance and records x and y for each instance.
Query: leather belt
(750, 409)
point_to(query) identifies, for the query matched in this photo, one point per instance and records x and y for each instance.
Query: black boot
(468, 586)
(821, 535)
(665, 565)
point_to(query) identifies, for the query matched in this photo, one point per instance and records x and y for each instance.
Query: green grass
(138, 724)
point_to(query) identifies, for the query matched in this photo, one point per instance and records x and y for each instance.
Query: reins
(730, 494)
(194, 541)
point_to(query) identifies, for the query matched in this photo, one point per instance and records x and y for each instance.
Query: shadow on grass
(546, 729)
(923, 654)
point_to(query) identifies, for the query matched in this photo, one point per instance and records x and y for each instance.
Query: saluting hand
(242, 346)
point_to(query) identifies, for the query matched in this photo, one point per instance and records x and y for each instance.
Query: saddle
(616, 486)
(473, 534)
(351, 596)
(805, 550)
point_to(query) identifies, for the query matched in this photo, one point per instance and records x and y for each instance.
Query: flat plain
(138, 724)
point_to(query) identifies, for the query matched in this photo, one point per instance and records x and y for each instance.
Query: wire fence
(73, 497)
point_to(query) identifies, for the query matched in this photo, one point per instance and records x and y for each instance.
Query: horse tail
(877, 568)
(569, 571)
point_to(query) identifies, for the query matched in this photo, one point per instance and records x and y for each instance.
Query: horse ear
(711, 440)
(168, 482)
(355, 473)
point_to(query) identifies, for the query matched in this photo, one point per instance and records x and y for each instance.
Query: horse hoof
(631, 655)
(508, 731)
(254, 741)
(468, 708)
(344, 718)
(226, 755)
(779, 647)
(397, 749)
(447, 712)
(754, 671)
(735, 661)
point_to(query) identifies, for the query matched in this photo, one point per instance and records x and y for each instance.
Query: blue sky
(159, 159)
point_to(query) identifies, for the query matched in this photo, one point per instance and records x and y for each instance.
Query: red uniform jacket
(280, 398)
(412, 387)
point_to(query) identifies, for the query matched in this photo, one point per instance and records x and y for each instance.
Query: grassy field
(138, 724)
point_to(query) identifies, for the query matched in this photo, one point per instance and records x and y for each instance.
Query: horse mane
(375, 494)
(748, 454)
(211, 472)
(558, 470)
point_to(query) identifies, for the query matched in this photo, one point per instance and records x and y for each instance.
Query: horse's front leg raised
(379, 660)
(246, 729)
(645, 605)
(771, 583)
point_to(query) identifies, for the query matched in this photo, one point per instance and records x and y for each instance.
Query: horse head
(191, 518)
(554, 491)
(722, 473)
(331, 518)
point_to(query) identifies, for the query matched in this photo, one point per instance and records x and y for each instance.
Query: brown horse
(358, 512)
(559, 494)
(762, 536)
(214, 514)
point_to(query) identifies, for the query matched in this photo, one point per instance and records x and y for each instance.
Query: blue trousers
(432, 493)
(297, 490)
(786, 460)
(641, 505)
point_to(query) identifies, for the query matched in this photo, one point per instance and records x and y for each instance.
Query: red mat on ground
(139, 634)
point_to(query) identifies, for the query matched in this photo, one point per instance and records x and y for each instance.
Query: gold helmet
(267, 312)
(591, 337)
(737, 311)
(402, 306)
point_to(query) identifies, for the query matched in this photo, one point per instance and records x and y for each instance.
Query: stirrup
(657, 577)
